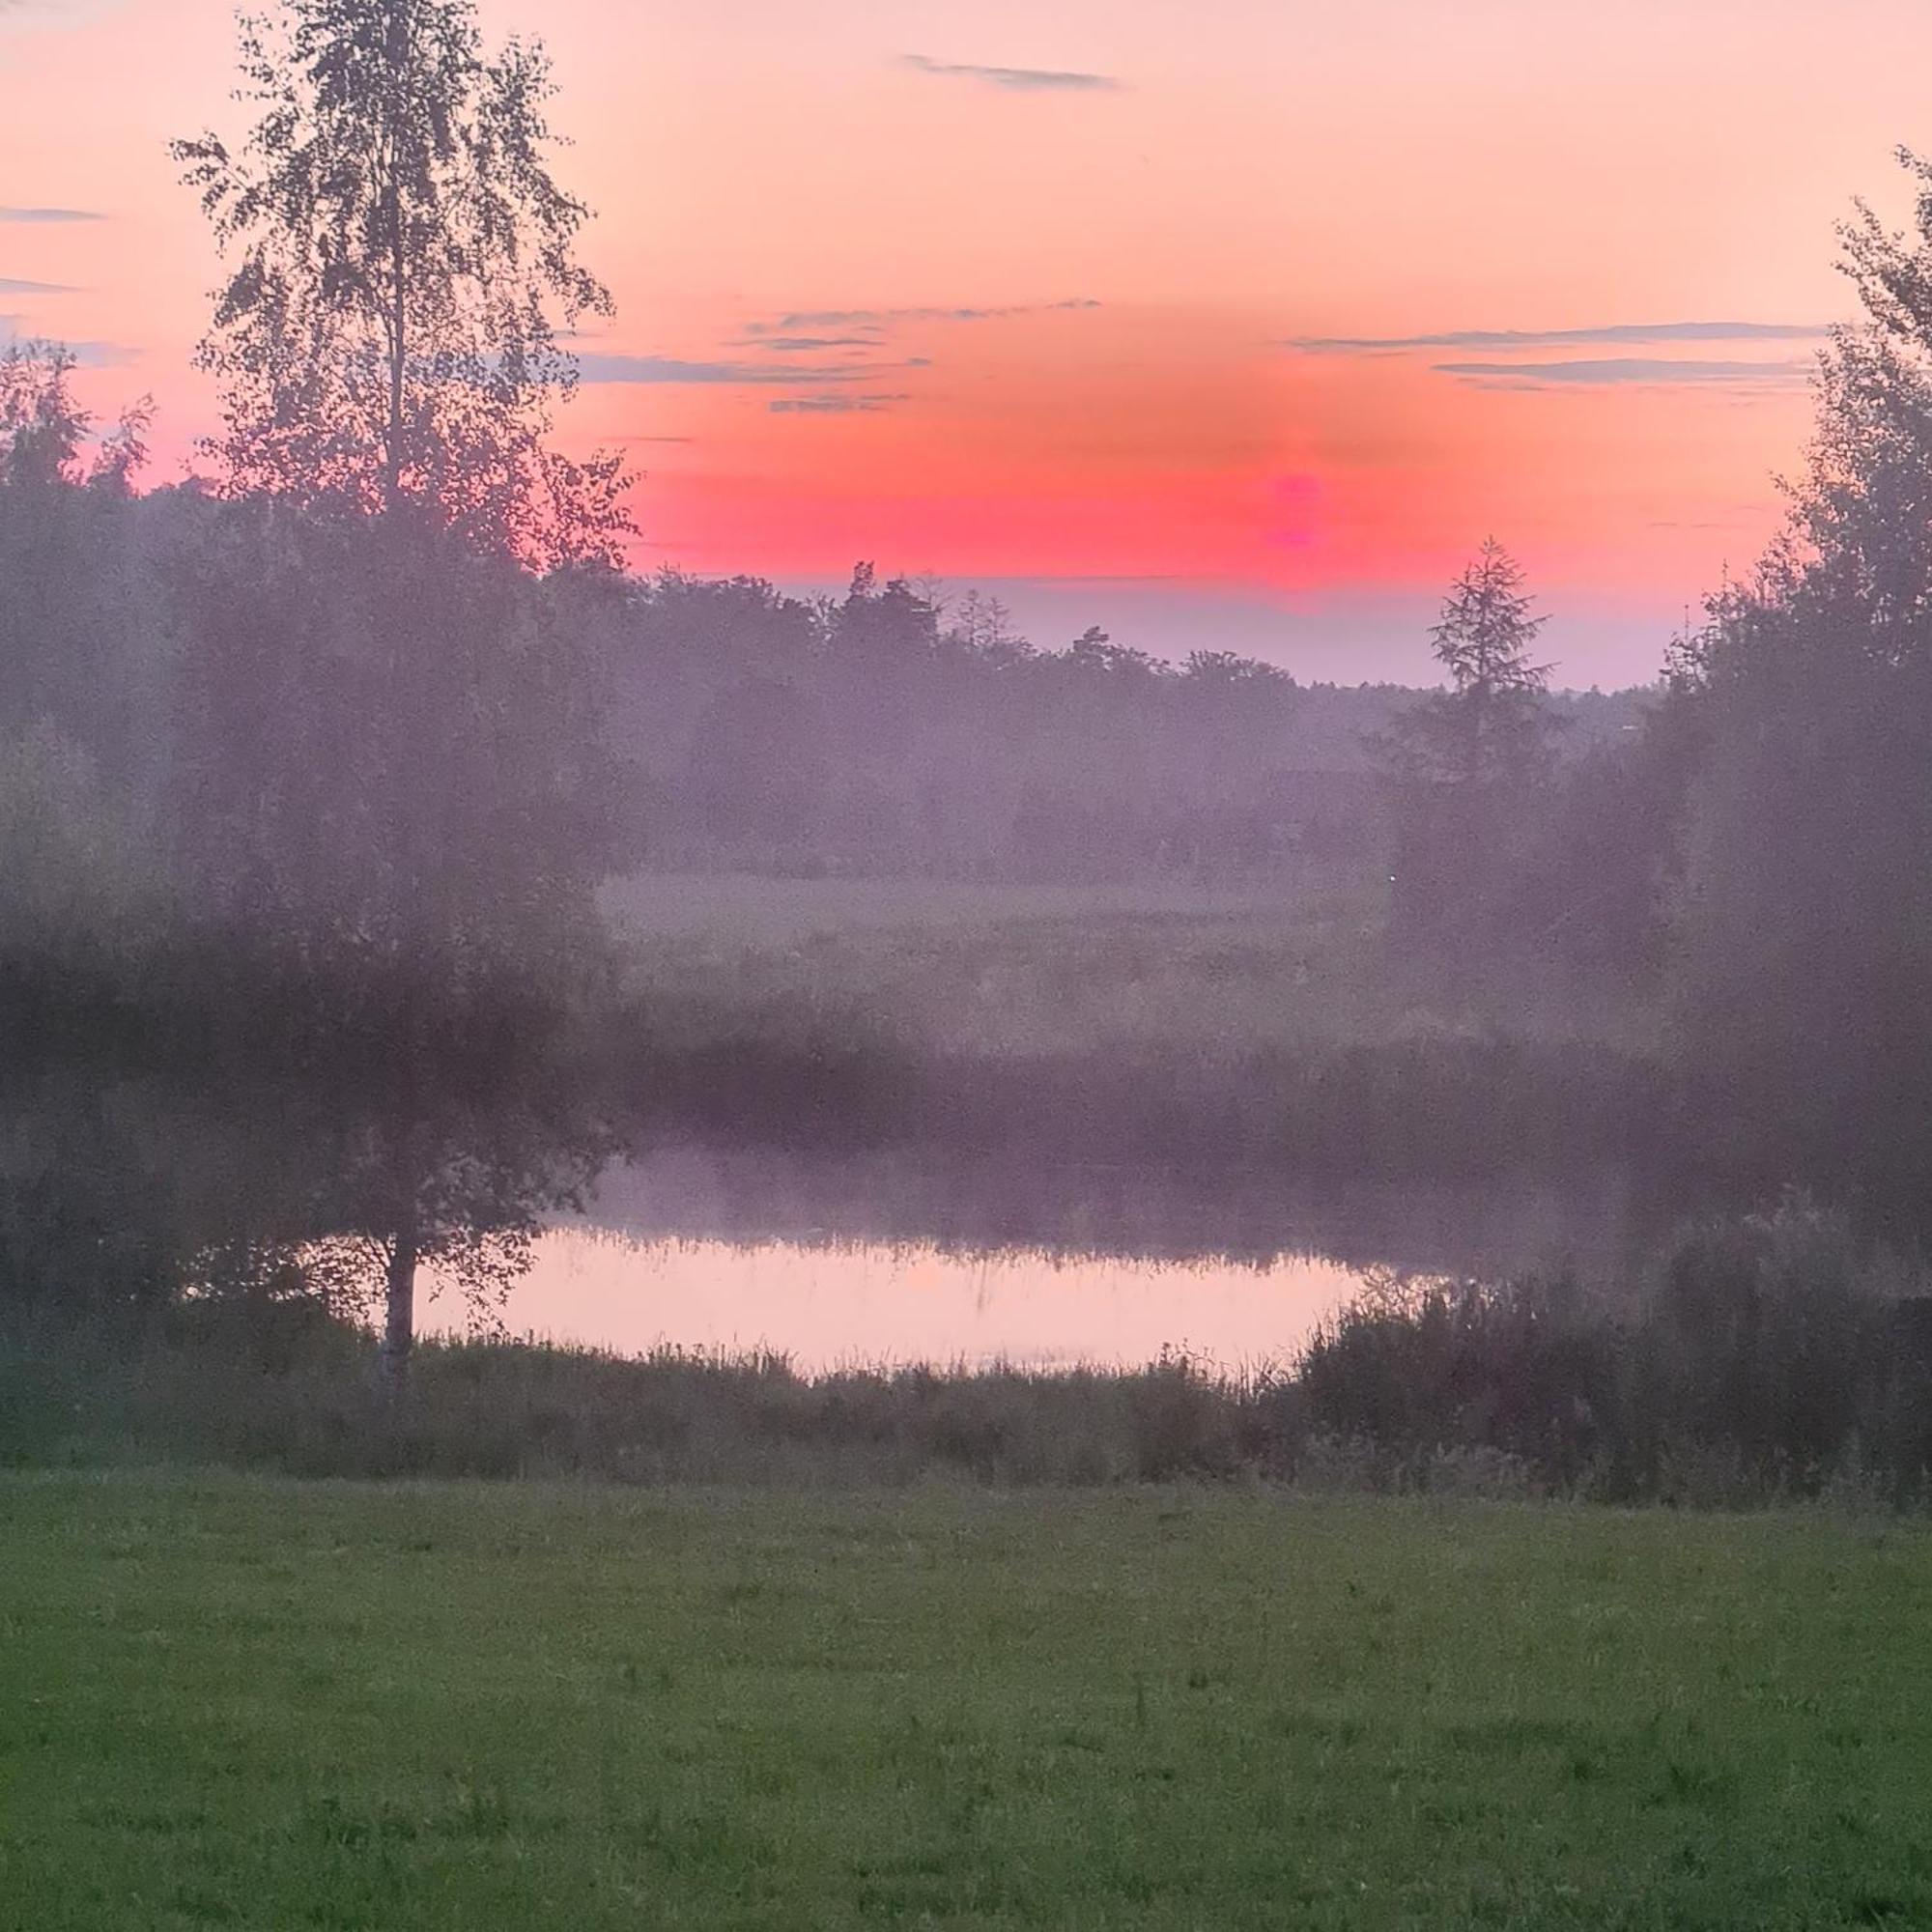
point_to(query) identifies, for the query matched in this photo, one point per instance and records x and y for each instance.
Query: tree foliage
(1490, 727)
(403, 782)
(401, 267)
(1805, 921)
(1465, 761)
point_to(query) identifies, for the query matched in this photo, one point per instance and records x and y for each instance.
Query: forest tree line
(896, 731)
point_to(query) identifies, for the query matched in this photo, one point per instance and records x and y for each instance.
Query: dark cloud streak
(1556, 338)
(1015, 80)
(831, 406)
(671, 369)
(887, 318)
(87, 354)
(1611, 371)
(805, 345)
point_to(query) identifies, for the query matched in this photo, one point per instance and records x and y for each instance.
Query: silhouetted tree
(1490, 727)
(403, 265)
(1806, 915)
(387, 347)
(69, 612)
(1464, 759)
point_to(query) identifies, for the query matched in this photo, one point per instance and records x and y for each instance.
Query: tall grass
(1773, 1355)
(1770, 1359)
(1421, 1100)
(281, 1387)
(1202, 1034)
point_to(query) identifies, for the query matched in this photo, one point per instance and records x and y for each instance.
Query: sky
(1223, 324)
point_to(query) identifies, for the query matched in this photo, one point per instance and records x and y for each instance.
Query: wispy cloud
(890, 318)
(803, 344)
(1744, 520)
(672, 369)
(1605, 334)
(89, 354)
(12, 285)
(48, 214)
(1609, 371)
(1015, 80)
(833, 406)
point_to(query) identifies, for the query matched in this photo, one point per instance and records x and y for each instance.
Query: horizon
(971, 298)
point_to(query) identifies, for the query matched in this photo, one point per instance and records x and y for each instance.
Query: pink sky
(1150, 209)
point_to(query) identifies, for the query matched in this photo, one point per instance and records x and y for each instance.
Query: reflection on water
(887, 1258)
(829, 1304)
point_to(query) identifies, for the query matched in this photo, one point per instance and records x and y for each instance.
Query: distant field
(1151, 1025)
(261, 1704)
(774, 911)
(960, 967)
(994, 969)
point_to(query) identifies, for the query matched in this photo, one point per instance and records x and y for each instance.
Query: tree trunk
(399, 1326)
(392, 465)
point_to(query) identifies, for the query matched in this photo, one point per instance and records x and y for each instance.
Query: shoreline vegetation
(1769, 1359)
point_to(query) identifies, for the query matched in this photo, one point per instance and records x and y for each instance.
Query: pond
(837, 1261)
(828, 1304)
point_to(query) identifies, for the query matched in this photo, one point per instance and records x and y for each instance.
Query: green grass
(255, 1703)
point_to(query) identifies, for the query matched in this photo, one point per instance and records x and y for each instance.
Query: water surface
(890, 1258)
(825, 1304)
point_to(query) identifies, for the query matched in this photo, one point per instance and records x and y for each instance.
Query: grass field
(971, 967)
(253, 1703)
(1151, 1025)
(978, 966)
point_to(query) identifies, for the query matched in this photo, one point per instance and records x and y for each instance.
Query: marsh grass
(284, 1390)
(1166, 1027)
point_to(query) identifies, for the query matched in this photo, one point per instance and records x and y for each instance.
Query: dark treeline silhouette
(892, 731)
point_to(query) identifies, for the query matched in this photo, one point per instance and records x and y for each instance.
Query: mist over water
(836, 1262)
(1598, 1223)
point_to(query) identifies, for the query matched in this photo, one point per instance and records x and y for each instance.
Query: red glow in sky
(1252, 319)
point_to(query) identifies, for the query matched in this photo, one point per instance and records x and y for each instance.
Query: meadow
(258, 1703)
(964, 966)
(1161, 1024)
(976, 965)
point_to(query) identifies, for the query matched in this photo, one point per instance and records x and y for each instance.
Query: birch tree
(389, 344)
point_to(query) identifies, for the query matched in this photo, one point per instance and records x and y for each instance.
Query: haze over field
(907, 913)
(1231, 327)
